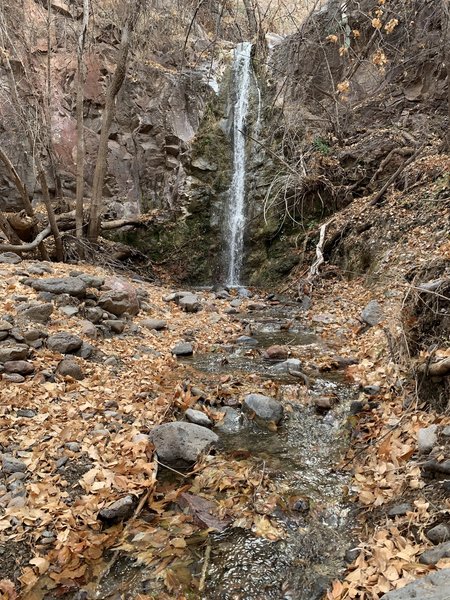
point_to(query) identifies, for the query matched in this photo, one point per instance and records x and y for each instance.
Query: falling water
(235, 219)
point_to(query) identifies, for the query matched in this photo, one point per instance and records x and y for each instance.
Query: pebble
(118, 511)
(427, 439)
(183, 349)
(434, 555)
(198, 417)
(440, 533)
(399, 510)
(10, 464)
(72, 446)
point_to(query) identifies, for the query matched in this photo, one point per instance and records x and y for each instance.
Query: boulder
(63, 342)
(19, 366)
(183, 349)
(266, 409)
(69, 367)
(372, 313)
(89, 329)
(9, 352)
(116, 326)
(10, 258)
(198, 417)
(180, 443)
(156, 324)
(39, 313)
(432, 587)
(73, 286)
(13, 377)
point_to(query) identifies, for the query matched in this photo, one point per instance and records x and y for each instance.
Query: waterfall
(235, 217)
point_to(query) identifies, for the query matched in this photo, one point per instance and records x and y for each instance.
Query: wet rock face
(181, 443)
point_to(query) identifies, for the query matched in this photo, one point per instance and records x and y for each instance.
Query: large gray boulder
(10, 258)
(180, 443)
(435, 586)
(74, 286)
(63, 342)
(265, 409)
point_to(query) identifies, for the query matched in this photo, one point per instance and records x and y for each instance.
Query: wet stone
(266, 409)
(246, 340)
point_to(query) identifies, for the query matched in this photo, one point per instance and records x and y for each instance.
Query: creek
(300, 458)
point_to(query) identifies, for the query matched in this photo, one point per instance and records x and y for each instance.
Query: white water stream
(235, 218)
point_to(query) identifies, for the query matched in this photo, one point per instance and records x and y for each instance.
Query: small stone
(324, 403)
(112, 361)
(39, 313)
(116, 326)
(63, 342)
(246, 340)
(94, 314)
(446, 431)
(10, 352)
(255, 306)
(86, 351)
(276, 353)
(13, 377)
(183, 349)
(12, 465)
(434, 555)
(190, 303)
(427, 439)
(198, 393)
(198, 417)
(72, 446)
(178, 443)
(19, 366)
(244, 292)
(291, 364)
(352, 554)
(69, 311)
(372, 390)
(69, 367)
(119, 302)
(236, 303)
(5, 325)
(400, 510)
(89, 330)
(156, 324)
(264, 408)
(61, 461)
(372, 313)
(10, 258)
(26, 413)
(440, 533)
(118, 511)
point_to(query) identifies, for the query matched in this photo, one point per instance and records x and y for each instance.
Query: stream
(299, 458)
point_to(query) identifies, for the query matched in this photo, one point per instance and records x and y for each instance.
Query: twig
(201, 585)
(171, 469)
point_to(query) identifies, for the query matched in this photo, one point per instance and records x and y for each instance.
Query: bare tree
(134, 11)
(80, 119)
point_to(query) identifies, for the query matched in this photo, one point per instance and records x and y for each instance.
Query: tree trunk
(251, 18)
(8, 230)
(108, 115)
(50, 212)
(80, 121)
